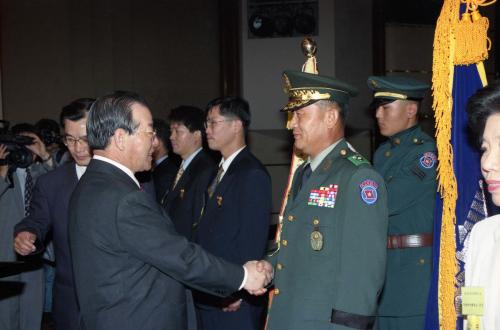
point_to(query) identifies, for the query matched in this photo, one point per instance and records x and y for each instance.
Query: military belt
(408, 241)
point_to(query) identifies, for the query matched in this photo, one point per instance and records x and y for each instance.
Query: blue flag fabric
(470, 202)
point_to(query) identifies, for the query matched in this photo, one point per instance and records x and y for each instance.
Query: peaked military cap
(305, 88)
(393, 88)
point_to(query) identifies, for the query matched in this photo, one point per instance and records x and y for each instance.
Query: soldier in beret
(407, 162)
(330, 265)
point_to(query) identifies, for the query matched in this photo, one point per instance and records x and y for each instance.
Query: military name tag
(472, 300)
(316, 240)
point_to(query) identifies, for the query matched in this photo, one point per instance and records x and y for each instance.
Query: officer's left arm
(416, 179)
(362, 248)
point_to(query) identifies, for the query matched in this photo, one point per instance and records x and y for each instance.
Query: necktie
(305, 175)
(28, 190)
(178, 176)
(216, 180)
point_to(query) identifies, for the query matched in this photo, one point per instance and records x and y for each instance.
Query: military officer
(330, 265)
(407, 162)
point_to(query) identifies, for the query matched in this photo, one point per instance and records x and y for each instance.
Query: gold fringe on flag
(442, 85)
(456, 42)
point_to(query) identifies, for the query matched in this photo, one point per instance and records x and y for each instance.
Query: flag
(460, 46)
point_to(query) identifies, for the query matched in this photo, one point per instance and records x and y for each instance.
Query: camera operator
(21, 294)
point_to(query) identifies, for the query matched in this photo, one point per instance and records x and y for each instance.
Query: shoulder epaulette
(357, 159)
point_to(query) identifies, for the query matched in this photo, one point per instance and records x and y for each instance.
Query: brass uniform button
(290, 218)
(343, 152)
(415, 140)
(284, 242)
(279, 266)
(397, 141)
(387, 153)
(315, 222)
(421, 261)
(276, 291)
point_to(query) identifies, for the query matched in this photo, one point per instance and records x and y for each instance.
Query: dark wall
(53, 51)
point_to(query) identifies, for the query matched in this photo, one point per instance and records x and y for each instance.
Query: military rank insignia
(369, 193)
(324, 196)
(428, 160)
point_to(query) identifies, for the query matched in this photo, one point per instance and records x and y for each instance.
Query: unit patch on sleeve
(428, 160)
(324, 196)
(369, 193)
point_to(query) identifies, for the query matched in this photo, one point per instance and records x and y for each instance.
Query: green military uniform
(330, 265)
(407, 162)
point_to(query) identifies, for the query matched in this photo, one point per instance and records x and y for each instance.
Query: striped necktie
(215, 182)
(178, 176)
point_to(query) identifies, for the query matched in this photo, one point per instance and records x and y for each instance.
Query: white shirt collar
(120, 166)
(80, 170)
(159, 160)
(226, 162)
(187, 161)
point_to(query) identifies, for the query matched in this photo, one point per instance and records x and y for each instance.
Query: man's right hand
(259, 275)
(3, 154)
(24, 243)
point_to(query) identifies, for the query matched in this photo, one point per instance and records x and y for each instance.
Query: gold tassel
(472, 42)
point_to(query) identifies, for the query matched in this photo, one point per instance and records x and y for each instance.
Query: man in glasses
(129, 262)
(235, 221)
(49, 212)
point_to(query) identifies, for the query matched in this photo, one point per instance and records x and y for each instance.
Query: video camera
(19, 155)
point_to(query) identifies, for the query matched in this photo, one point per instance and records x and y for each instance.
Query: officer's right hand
(24, 243)
(3, 154)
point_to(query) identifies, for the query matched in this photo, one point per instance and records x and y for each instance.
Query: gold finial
(309, 49)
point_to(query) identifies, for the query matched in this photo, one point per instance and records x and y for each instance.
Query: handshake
(259, 275)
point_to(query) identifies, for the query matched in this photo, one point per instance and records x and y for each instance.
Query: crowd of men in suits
(164, 224)
(159, 194)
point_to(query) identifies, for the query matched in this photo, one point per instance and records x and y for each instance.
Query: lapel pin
(219, 201)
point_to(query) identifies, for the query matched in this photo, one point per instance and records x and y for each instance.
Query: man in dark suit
(235, 222)
(186, 199)
(129, 263)
(49, 213)
(166, 163)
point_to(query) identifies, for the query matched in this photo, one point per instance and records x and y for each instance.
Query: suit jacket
(235, 226)
(185, 202)
(164, 176)
(482, 267)
(330, 265)
(407, 161)
(49, 213)
(129, 263)
(21, 295)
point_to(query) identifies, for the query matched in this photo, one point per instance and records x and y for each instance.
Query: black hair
(484, 103)
(232, 107)
(191, 117)
(109, 113)
(162, 132)
(76, 110)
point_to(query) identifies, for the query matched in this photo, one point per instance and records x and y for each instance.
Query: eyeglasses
(70, 140)
(213, 123)
(151, 134)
